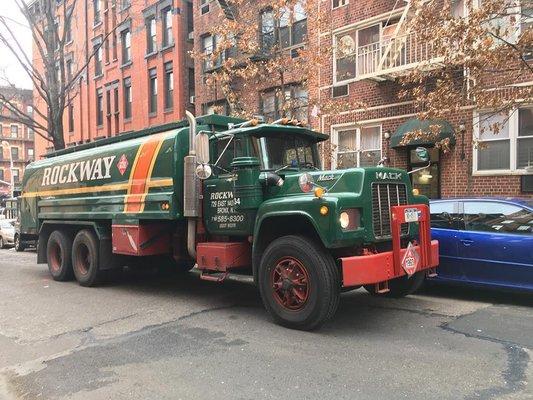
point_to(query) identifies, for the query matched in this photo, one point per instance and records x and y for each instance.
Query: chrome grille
(384, 196)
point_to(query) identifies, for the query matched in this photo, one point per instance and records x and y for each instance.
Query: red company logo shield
(410, 260)
(122, 164)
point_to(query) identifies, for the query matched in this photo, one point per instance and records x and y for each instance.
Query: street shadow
(478, 294)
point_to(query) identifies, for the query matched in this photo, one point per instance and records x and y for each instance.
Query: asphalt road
(148, 336)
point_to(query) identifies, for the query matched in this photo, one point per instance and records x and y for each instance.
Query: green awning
(425, 133)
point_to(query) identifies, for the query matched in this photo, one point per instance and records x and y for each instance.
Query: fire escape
(226, 7)
(397, 51)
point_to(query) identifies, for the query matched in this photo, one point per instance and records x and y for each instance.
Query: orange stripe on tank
(139, 176)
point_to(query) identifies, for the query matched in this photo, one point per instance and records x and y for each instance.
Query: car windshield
(286, 152)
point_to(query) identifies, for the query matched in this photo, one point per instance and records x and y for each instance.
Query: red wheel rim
(55, 257)
(83, 259)
(290, 283)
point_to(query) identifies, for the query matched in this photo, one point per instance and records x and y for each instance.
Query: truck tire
(85, 258)
(2, 243)
(18, 245)
(400, 287)
(299, 283)
(58, 255)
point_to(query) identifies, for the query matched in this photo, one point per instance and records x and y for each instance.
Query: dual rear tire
(77, 258)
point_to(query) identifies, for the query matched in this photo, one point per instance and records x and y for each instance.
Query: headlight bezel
(349, 219)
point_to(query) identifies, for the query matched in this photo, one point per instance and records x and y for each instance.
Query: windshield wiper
(299, 165)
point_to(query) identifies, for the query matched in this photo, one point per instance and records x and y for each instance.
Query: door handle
(467, 242)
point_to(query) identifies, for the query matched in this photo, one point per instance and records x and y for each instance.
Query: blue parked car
(484, 242)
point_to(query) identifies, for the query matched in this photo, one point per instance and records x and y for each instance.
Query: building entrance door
(426, 180)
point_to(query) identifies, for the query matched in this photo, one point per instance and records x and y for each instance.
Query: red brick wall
(84, 32)
(24, 141)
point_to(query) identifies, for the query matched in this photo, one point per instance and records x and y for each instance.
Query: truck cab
(267, 190)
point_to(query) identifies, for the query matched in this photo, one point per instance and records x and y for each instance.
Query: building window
(152, 89)
(208, 47)
(356, 147)
(97, 48)
(526, 23)
(359, 51)
(291, 104)
(210, 43)
(204, 6)
(71, 118)
(340, 3)
(169, 86)
(68, 25)
(2, 178)
(126, 46)
(190, 19)
(14, 153)
(220, 107)
(504, 140)
(192, 85)
(116, 108)
(30, 154)
(286, 30)
(16, 174)
(127, 98)
(14, 131)
(69, 70)
(97, 12)
(151, 36)
(167, 27)
(99, 107)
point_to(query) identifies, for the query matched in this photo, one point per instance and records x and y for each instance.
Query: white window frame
(335, 129)
(513, 138)
(342, 3)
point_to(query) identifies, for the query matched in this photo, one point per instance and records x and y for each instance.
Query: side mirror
(422, 153)
(203, 171)
(202, 148)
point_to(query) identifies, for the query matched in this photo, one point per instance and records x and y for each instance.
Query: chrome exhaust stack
(191, 197)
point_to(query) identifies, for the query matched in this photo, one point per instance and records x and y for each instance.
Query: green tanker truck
(231, 198)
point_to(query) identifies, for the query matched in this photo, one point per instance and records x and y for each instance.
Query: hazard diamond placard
(410, 260)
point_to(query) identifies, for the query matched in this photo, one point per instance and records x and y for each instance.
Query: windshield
(287, 151)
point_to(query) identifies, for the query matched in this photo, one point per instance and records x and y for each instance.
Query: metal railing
(392, 55)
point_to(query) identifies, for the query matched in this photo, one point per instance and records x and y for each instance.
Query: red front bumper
(380, 267)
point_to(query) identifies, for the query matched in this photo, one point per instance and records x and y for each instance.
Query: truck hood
(349, 181)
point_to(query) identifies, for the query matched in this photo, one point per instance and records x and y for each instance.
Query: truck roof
(268, 129)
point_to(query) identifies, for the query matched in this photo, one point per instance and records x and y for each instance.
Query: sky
(10, 70)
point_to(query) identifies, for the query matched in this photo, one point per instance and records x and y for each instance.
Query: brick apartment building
(503, 166)
(19, 138)
(140, 75)
(263, 96)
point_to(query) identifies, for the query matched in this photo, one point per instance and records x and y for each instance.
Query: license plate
(411, 215)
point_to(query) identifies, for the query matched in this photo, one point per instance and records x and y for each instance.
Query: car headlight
(349, 219)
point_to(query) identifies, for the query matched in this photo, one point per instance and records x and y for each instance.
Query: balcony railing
(393, 57)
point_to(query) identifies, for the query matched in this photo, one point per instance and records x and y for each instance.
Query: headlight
(344, 220)
(350, 219)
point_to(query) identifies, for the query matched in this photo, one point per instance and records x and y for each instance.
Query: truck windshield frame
(286, 151)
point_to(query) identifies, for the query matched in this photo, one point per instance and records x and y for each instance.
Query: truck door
(221, 216)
